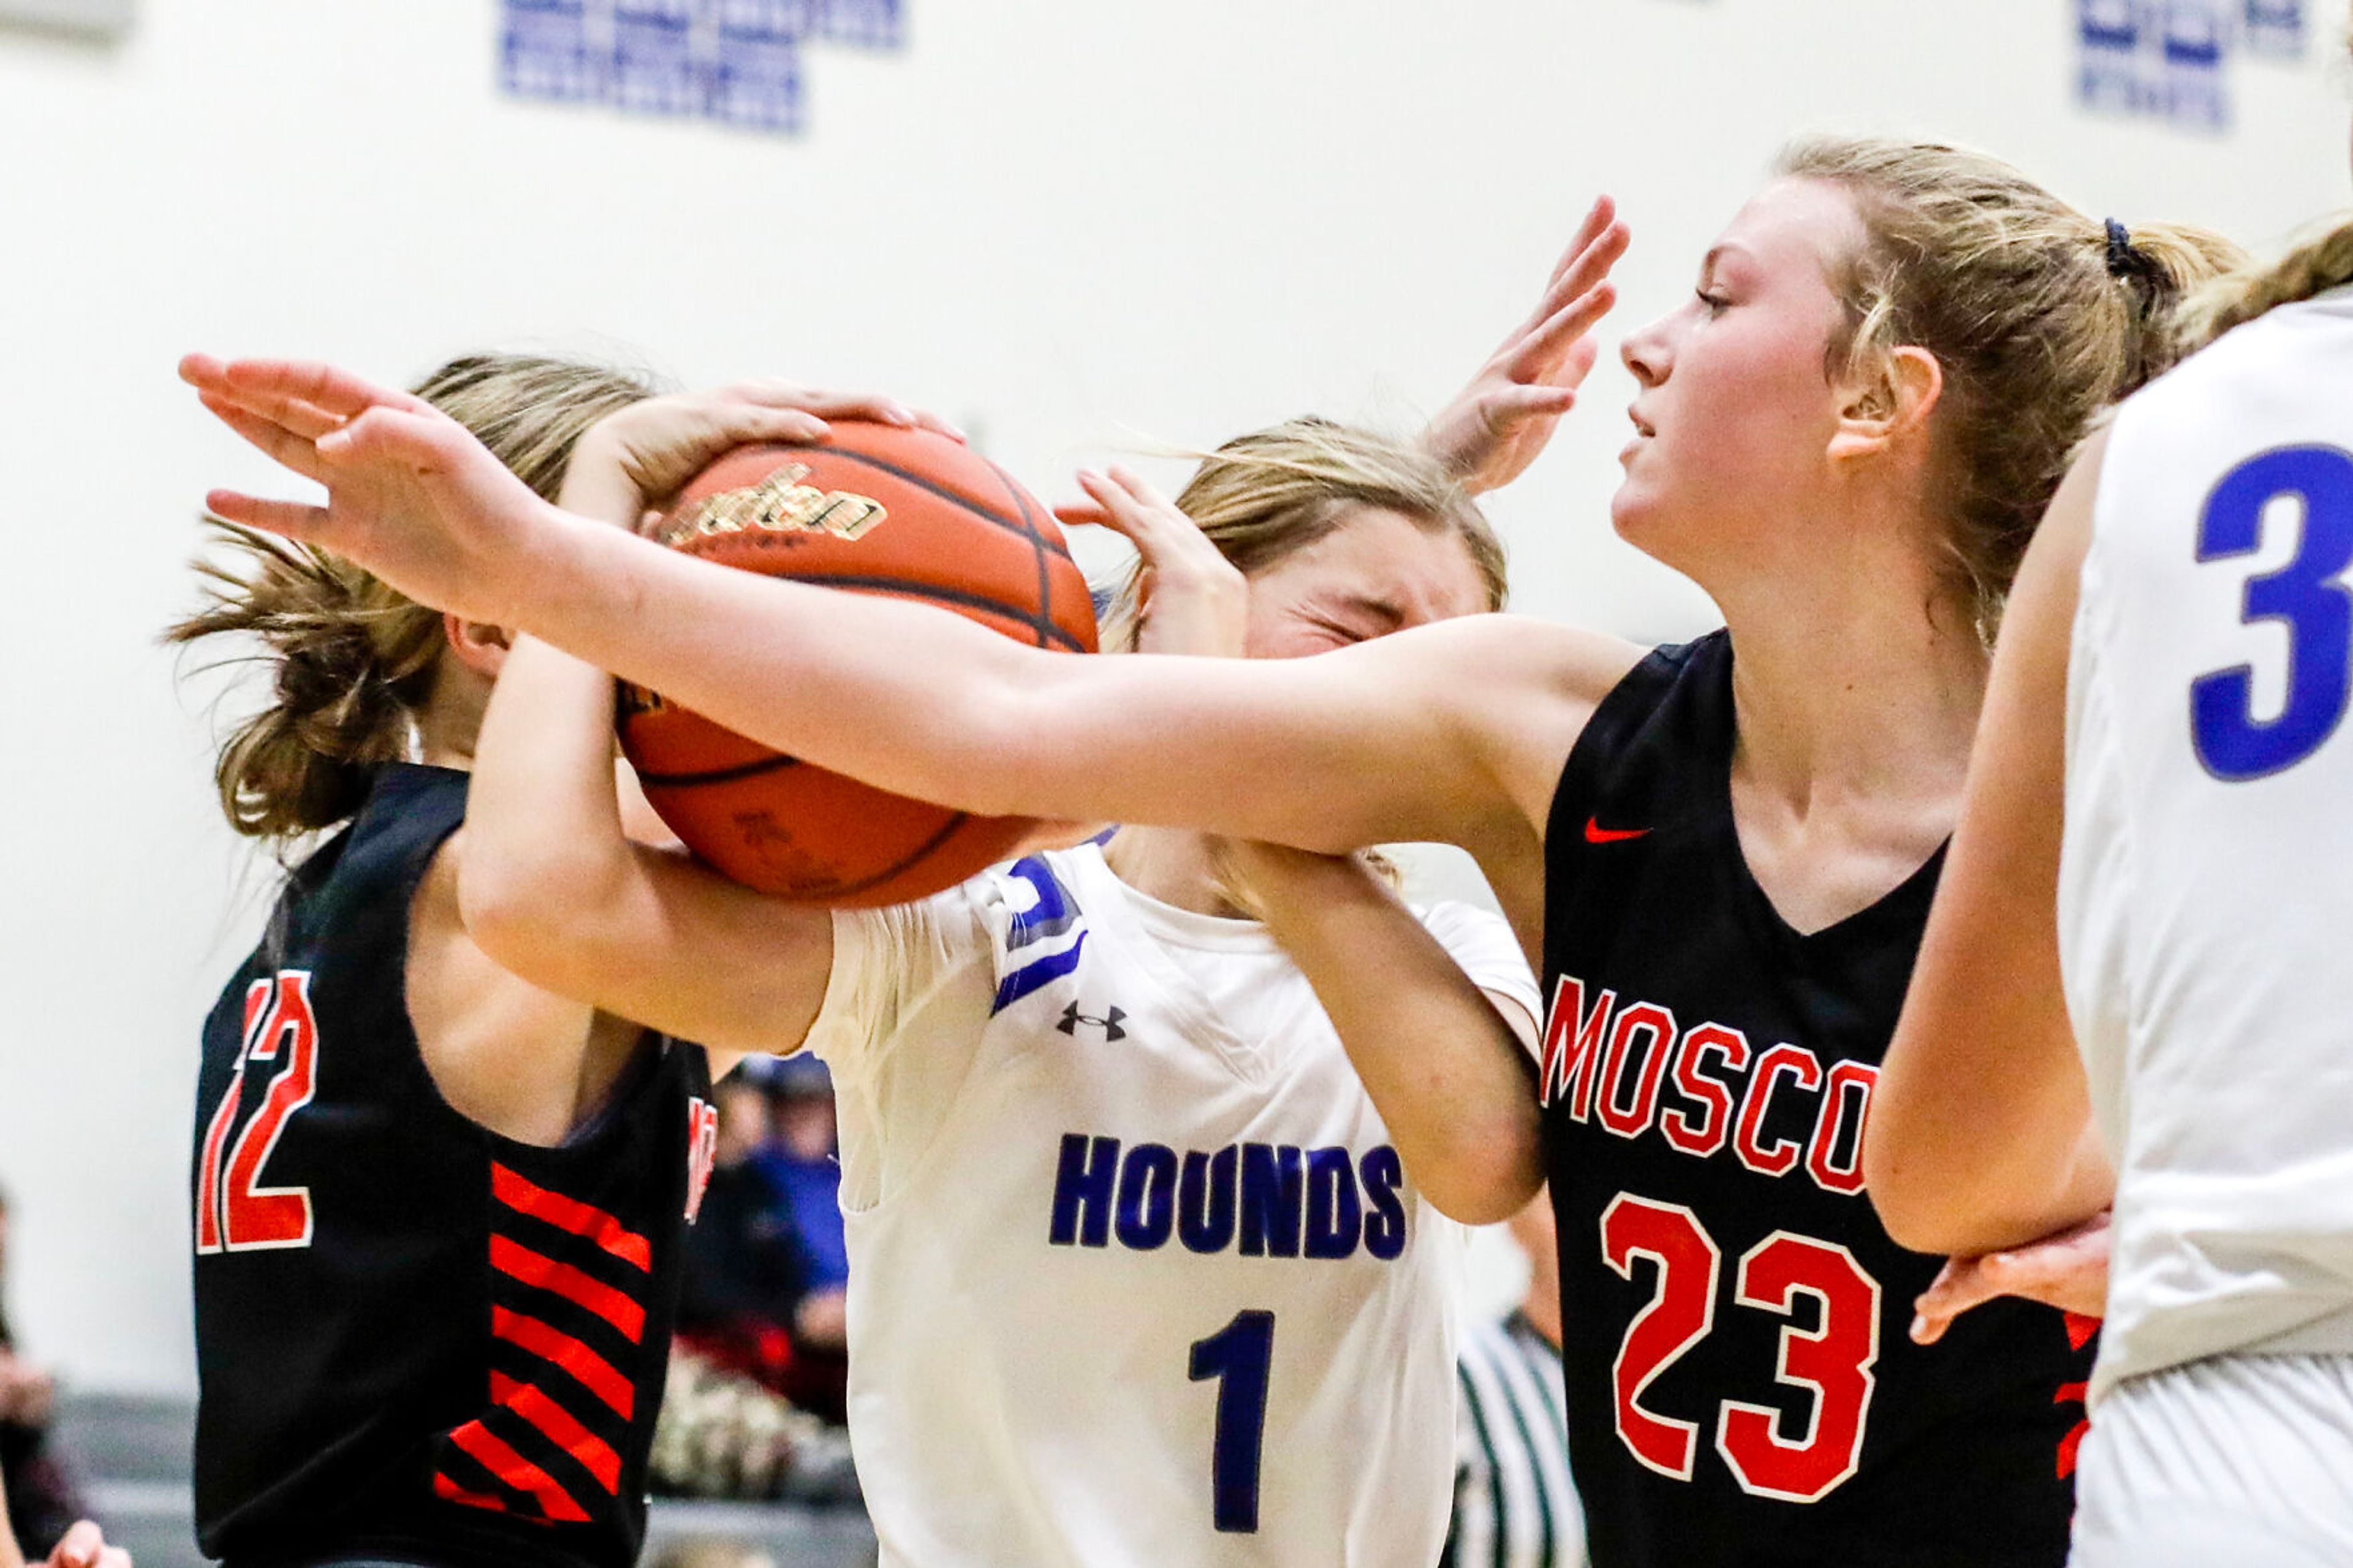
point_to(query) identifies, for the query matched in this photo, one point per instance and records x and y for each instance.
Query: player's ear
(1890, 398)
(480, 646)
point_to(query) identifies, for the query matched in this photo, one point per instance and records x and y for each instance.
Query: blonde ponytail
(2311, 268)
(354, 661)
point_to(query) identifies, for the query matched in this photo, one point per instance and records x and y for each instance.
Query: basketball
(878, 510)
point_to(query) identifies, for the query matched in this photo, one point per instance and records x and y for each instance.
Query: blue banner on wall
(2196, 41)
(738, 62)
(2275, 27)
(2167, 59)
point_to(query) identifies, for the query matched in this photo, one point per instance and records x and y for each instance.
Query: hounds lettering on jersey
(1704, 1088)
(1263, 1200)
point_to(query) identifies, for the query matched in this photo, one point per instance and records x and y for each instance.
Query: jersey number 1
(234, 1212)
(1238, 1356)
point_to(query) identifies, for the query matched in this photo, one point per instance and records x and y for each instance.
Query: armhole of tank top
(419, 862)
(1633, 700)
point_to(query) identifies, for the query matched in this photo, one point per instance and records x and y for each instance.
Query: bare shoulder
(1522, 690)
(503, 1052)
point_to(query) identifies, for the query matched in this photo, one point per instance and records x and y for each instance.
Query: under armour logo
(1073, 1018)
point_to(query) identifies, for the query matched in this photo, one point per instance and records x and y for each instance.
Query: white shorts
(2232, 1459)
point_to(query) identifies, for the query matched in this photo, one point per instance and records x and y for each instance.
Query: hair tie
(2124, 261)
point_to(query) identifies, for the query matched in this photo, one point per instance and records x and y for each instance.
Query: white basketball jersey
(2206, 886)
(1136, 1275)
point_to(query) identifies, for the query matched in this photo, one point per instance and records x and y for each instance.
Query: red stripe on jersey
(594, 1454)
(592, 1371)
(448, 1491)
(566, 1213)
(520, 1262)
(492, 1453)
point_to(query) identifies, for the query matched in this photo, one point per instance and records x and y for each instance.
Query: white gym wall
(1076, 227)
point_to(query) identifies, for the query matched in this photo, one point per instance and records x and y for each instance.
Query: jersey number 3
(2307, 596)
(1833, 1363)
(234, 1212)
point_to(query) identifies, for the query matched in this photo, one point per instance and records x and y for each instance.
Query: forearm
(543, 840)
(925, 703)
(1451, 1079)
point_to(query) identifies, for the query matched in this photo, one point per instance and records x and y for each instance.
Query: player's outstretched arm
(550, 886)
(1981, 1136)
(1450, 1073)
(1422, 735)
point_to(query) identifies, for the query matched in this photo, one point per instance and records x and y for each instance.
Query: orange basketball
(878, 510)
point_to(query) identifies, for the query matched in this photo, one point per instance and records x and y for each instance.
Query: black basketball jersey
(1742, 1387)
(417, 1339)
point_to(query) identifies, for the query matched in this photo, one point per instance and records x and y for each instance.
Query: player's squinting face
(1377, 573)
(1737, 410)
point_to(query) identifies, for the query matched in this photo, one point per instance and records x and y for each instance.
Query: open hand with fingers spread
(1498, 424)
(411, 495)
(1193, 601)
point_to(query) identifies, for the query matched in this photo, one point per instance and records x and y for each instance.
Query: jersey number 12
(234, 1212)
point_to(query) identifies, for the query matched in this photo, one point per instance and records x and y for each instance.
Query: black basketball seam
(1044, 621)
(934, 591)
(945, 494)
(921, 853)
(718, 775)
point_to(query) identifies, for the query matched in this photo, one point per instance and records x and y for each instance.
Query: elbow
(1909, 1209)
(1486, 1204)
(1485, 1184)
(1915, 1226)
(1919, 1212)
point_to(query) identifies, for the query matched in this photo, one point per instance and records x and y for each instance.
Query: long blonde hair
(2039, 315)
(1267, 495)
(355, 661)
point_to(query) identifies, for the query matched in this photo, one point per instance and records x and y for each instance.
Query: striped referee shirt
(1515, 1505)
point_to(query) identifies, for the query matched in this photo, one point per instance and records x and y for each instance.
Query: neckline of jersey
(1857, 925)
(1188, 927)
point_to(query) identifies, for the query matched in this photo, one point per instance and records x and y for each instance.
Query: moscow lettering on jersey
(1612, 1062)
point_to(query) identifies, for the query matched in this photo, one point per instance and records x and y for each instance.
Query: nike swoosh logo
(1597, 833)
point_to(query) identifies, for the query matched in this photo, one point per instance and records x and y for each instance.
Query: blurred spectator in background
(1514, 1504)
(755, 1402)
(767, 1267)
(42, 1502)
(802, 1162)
